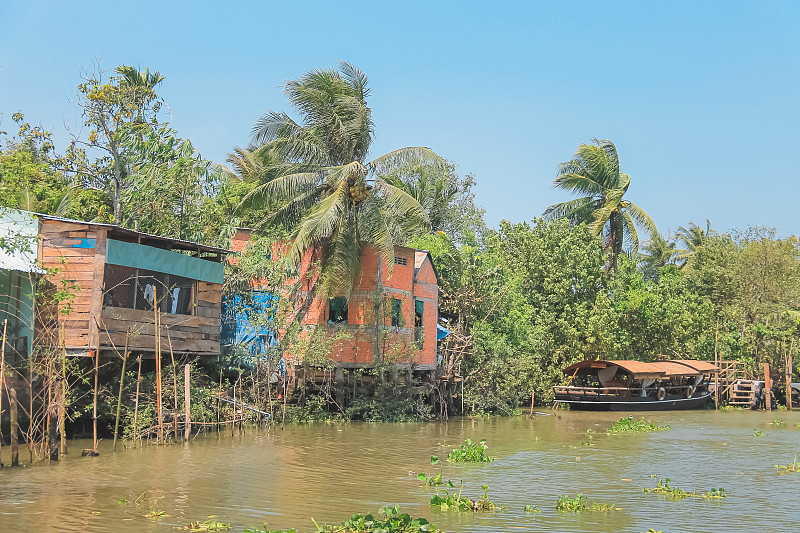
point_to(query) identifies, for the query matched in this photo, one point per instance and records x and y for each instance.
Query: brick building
(406, 328)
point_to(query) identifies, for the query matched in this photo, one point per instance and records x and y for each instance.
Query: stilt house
(18, 276)
(404, 333)
(119, 277)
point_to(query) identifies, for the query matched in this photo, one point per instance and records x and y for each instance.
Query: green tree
(337, 200)
(692, 237)
(658, 253)
(114, 110)
(170, 189)
(447, 198)
(594, 172)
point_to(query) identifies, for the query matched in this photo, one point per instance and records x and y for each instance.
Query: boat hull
(599, 404)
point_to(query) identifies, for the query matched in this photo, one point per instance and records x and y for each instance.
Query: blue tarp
(246, 324)
(441, 332)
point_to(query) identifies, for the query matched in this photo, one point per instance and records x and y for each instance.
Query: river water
(328, 471)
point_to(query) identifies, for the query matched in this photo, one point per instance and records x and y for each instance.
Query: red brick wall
(397, 343)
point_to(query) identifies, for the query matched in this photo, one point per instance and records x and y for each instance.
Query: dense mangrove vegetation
(522, 300)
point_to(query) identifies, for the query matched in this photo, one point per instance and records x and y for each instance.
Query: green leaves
(594, 172)
(470, 452)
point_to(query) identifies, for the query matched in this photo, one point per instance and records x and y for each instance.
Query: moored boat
(637, 386)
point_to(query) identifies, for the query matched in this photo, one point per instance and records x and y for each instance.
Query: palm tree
(594, 172)
(337, 201)
(659, 252)
(693, 238)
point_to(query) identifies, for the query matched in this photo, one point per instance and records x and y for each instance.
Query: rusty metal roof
(673, 368)
(701, 366)
(641, 369)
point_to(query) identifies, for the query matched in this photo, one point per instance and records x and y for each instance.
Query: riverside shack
(119, 277)
(407, 331)
(18, 277)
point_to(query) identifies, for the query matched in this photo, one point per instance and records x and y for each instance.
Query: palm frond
(577, 183)
(570, 209)
(642, 218)
(408, 158)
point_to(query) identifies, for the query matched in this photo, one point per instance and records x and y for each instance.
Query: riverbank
(329, 471)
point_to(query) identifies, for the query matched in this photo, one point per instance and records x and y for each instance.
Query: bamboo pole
(12, 393)
(767, 388)
(716, 364)
(94, 401)
(158, 369)
(136, 402)
(789, 373)
(174, 384)
(2, 377)
(187, 400)
(62, 412)
(532, 398)
(121, 385)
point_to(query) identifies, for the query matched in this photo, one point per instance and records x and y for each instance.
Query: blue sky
(701, 98)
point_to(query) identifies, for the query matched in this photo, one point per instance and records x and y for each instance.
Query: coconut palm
(692, 237)
(594, 172)
(337, 201)
(659, 252)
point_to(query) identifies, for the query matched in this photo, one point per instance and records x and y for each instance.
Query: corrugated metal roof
(700, 366)
(18, 261)
(659, 368)
(176, 243)
(672, 368)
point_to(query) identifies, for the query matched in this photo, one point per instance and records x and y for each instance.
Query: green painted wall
(139, 256)
(16, 304)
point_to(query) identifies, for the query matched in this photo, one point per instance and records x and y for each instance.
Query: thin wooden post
(121, 385)
(12, 393)
(136, 402)
(52, 429)
(187, 404)
(767, 388)
(174, 384)
(532, 398)
(158, 369)
(62, 411)
(2, 378)
(716, 364)
(789, 374)
(94, 401)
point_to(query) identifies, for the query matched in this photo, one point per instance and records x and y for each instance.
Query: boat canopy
(654, 370)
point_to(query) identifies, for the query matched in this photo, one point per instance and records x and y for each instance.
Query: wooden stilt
(62, 411)
(158, 370)
(94, 401)
(187, 403)
(12, 393)
(51, 438)
(767, 388)
(174, 384)
(136, 402)
(2, 378)
(716, 364)
(532, 398)
(789, 374)
(121, 385)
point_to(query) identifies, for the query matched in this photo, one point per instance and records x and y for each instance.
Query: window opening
(337, 310)
(400, 261)
(397, 311)
(419, 311)
(136, 288)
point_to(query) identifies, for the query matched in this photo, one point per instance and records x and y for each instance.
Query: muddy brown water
(328, 471)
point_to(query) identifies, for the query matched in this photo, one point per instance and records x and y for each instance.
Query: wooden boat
(637, 386)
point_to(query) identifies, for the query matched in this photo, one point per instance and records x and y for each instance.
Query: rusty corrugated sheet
(673, 368)
(701, 366)
(640, 369)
